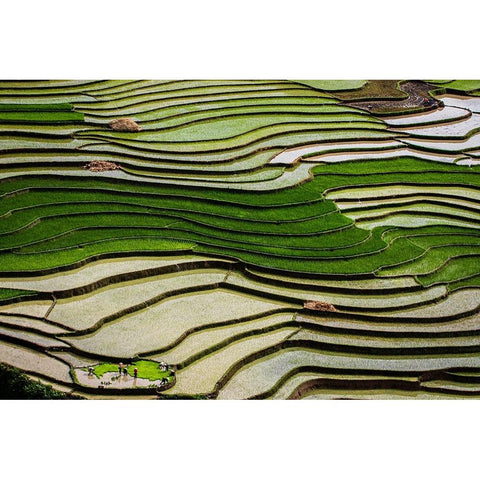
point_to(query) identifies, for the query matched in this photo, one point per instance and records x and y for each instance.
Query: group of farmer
(123, 369)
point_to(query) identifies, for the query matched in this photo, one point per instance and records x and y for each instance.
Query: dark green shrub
(15, 385)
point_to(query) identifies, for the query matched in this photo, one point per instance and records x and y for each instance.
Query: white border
(244, 39)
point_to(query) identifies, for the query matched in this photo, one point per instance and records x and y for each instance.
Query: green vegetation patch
(39, 113)
(40, 117)
(432, 260)
(36, 107)
(11, 293)
(399, 171)
(465, 283)
(399, 251)
(35, 261)
(456, 270)
(459, 85)
(333, 85)
(433, 235)
(147, 369)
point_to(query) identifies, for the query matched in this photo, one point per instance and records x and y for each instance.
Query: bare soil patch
(100, 166)
(319, 306)
(125, 125)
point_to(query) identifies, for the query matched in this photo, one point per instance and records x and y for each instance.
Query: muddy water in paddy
(468, 162)
(37, 308)
(290, 155)
(33, 361)
(372, 192)
(468, 103)
(85, 310)
(382, 154)
(447, 146)
(93, 272)
(458, 129)
(446, 114)
(160, 325)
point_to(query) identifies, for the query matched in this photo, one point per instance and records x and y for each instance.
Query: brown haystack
(100, 166)
(124, 125)
(319, 306)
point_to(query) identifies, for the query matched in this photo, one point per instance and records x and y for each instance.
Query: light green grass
(146, 369)
(461, 85)
(333, 85)
(465, 283)
(432, 260)
(455, 271)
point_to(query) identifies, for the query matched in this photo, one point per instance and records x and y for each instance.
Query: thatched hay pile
(124, 125)
(100, 166)
(319, 306)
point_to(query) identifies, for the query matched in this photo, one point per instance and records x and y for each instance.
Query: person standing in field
(135, 372)
(120, 366)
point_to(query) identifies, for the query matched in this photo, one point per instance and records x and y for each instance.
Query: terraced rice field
(265, 239)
